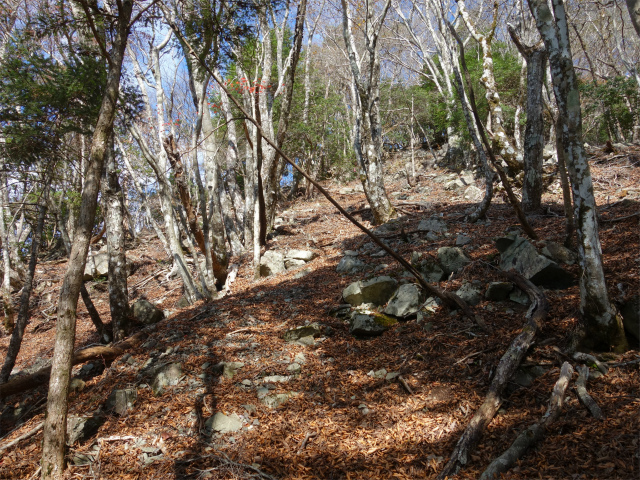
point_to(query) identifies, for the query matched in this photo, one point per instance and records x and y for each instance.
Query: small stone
(276, 379)
(312, 330)
(222, 423)
(462, 240)
(452, 259)
(392, 375)
(247, 382)
(167, 376)
(294, 368)
(121, 401)
(382, 373)
(231, 368)
(497, 291)
(306, 341)
(300, 358)
(274, 401)
(520, 297)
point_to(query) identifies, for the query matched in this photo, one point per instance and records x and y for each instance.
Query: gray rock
(462, 240)
(473, 193)
(276, 379)
(312, 330)
(378, 373)
(434, 224)
(146, 313)
(559, 253)
(406, 301)
(16, 281)
(452, 259)
(97, 266)
(378, 254)
(350, 264)
(304, 255)
(300, 358)
(456, 184)
(522, 256)
(306, 341)
(370, 324)
(302, 273)
(497, 291)
(230, 369)
(274, 401)
(351, 190)
(378, 291)
(293, 263)
(271, 263)
(470, 293)
(222, 423)
(520, 297)
(294, 368)
(430, 270)
(82, 428)
(350, 253)
(121, 401)
(166, 376)
(77, 385)
(468, 178)
(630, 311)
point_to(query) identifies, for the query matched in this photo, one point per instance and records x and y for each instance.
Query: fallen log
(583, 395)
(535, 432)
(506, 368)
(41, 377)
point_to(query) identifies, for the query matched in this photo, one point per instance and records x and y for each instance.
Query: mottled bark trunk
(603, 325)
(114, 216)
(536, 60)
(23, 312)
(55, 425)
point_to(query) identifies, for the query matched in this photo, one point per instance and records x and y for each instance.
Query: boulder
(222, 423)
(497, 291)
(470, 293)
(167, 375)
(97, 266)
(146, 313)
(370, 324)
(271, 263)
(304, 255)
(406, 301)
(294, 334)
(350, 264)
(82, 428)
(293, 263)
(522, 256)
(630, 311)
(452, 259)
(121, 401)
(377, 291)
(559, 253)
(434, 224)
(430, 270)
(473, 193)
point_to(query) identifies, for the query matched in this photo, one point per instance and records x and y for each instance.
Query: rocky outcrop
(522, 256)
(146, 313)
(406, 301)
(377, 291)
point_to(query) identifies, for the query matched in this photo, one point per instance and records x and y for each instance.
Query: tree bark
(536, 59)
(23, 312)
(602, 323)
(55, 428)
(118, 272)
(634, 12)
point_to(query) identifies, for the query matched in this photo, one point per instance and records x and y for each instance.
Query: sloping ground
(337, 419)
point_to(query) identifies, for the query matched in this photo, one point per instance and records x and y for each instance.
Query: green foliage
(42, 99)
(605, 104)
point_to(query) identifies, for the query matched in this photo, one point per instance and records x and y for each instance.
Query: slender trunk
(23, 312)
(55, 425)
(7, 302)
(118, 293)
(603, 325)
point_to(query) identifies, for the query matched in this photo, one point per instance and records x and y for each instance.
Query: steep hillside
(230, 389)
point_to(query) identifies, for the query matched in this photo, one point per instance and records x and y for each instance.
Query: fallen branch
(304, 442)
(24, 436)
(29, 382)
(535, 432)
(619, 219)
(591, 361)
(506, 368)
(583, 395)
(406, 386)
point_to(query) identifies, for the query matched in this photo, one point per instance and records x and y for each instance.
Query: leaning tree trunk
(55, 425)
(23, 312)
(118, 293)
(536, 59)
(602, 324)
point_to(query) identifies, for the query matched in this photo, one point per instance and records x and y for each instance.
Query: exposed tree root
(535, 432)
(508, 364)
(583, 395)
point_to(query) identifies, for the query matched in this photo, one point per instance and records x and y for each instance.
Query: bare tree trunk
(23, 312)
(7, 302)
(118, 292)
(55, 426)
(603, 324)
(634, 13)
(536, 59)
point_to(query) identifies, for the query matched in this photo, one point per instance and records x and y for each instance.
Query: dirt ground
(339, 422)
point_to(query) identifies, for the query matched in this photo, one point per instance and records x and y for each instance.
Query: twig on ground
(583, 395)
(534, 433)
(303, 443)
(24, 436)
(406, 386)
(591, 361)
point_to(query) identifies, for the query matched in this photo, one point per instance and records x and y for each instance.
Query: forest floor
(339, 422)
